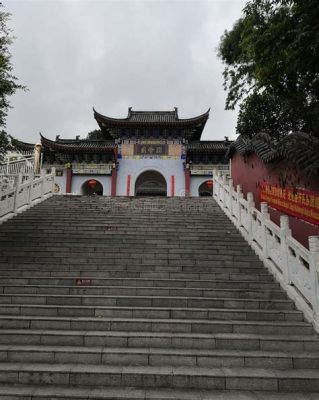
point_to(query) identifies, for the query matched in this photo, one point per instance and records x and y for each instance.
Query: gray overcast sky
(151, 55)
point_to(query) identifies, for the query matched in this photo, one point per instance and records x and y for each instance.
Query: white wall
(135, 167)
(78, 180)
(61, 181)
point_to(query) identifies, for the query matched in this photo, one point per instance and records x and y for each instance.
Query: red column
(173, 185)
(114, 178)
(68, 186)
(187, 181)
(128, 185)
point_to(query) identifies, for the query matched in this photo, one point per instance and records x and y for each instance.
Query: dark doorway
(206, 188)
(151, 183)
(92, 187)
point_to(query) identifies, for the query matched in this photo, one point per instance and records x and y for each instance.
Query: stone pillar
(37, 158)
(285, 231)
(314, 271)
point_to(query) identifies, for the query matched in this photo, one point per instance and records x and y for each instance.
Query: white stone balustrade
(23, 192)
(23, 165)
(295, 267)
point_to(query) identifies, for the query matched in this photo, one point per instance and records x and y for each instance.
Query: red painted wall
(251, 171)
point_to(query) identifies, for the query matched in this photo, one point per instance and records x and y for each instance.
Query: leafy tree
(272, 69)
(8, 82)
(95, 135)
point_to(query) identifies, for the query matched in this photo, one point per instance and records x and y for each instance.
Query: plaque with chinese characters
(150, 149)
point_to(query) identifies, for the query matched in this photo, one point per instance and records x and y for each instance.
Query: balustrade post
(214, 183)
(16, 194)
(239, 195)
(264, 217)
(219, 190)
(230, 184)
(314, 270)
(251, 205)
(285, 231)
(30, 188)
(223, 185)
(42, 182)
(53, 176)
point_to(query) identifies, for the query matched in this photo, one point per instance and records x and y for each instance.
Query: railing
(24, 165)
(23, 192)
(207, 169)
(294, 266)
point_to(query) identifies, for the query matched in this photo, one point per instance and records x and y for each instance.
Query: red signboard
(299, 203)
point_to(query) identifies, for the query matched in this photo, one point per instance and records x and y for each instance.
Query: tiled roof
(299, 149)
(260, 144)
(153, 118)
(78, 145)
(17, 144)
(208, 146)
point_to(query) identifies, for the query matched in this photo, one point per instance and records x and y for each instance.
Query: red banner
(299, 203)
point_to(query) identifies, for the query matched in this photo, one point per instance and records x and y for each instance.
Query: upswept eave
(78, 145)
(151, 118)
(22, 146)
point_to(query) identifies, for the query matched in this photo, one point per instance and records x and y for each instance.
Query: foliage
(8, 82)
(95, 135)
(272, 69)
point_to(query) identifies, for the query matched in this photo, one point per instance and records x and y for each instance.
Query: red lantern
(209, 184)
(92, 183)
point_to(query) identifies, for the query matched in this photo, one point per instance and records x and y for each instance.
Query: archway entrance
(150, 183)
(92, 187)
(206, 188)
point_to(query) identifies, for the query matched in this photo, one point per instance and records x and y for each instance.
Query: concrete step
(160, 377)
(148, 301)
(175, 299)
(150, 312)
(143, 291)
(98, 271)
(40, 392)
(158, 357)
(156, 325)
(167, 340)
(32, 279)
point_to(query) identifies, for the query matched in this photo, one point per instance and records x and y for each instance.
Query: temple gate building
(146, 153)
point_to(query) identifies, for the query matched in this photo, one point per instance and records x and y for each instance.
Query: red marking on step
(83, 282)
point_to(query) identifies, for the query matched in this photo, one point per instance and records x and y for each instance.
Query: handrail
(16, 195)
(295, 267)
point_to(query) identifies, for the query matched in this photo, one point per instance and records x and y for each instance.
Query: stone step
(158, 377)
(148, 301)
(156, 325)
(166, 340)
(159, 357)
(32, 279)
(137, 264)
(99, 271)
(134, 259)
(57, 392)
(143, 291)
(150, 312)
(123, 252)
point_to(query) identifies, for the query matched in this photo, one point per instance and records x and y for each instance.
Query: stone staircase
(144, 298)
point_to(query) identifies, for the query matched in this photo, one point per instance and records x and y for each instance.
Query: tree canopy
(272, 68)
(8, 82)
